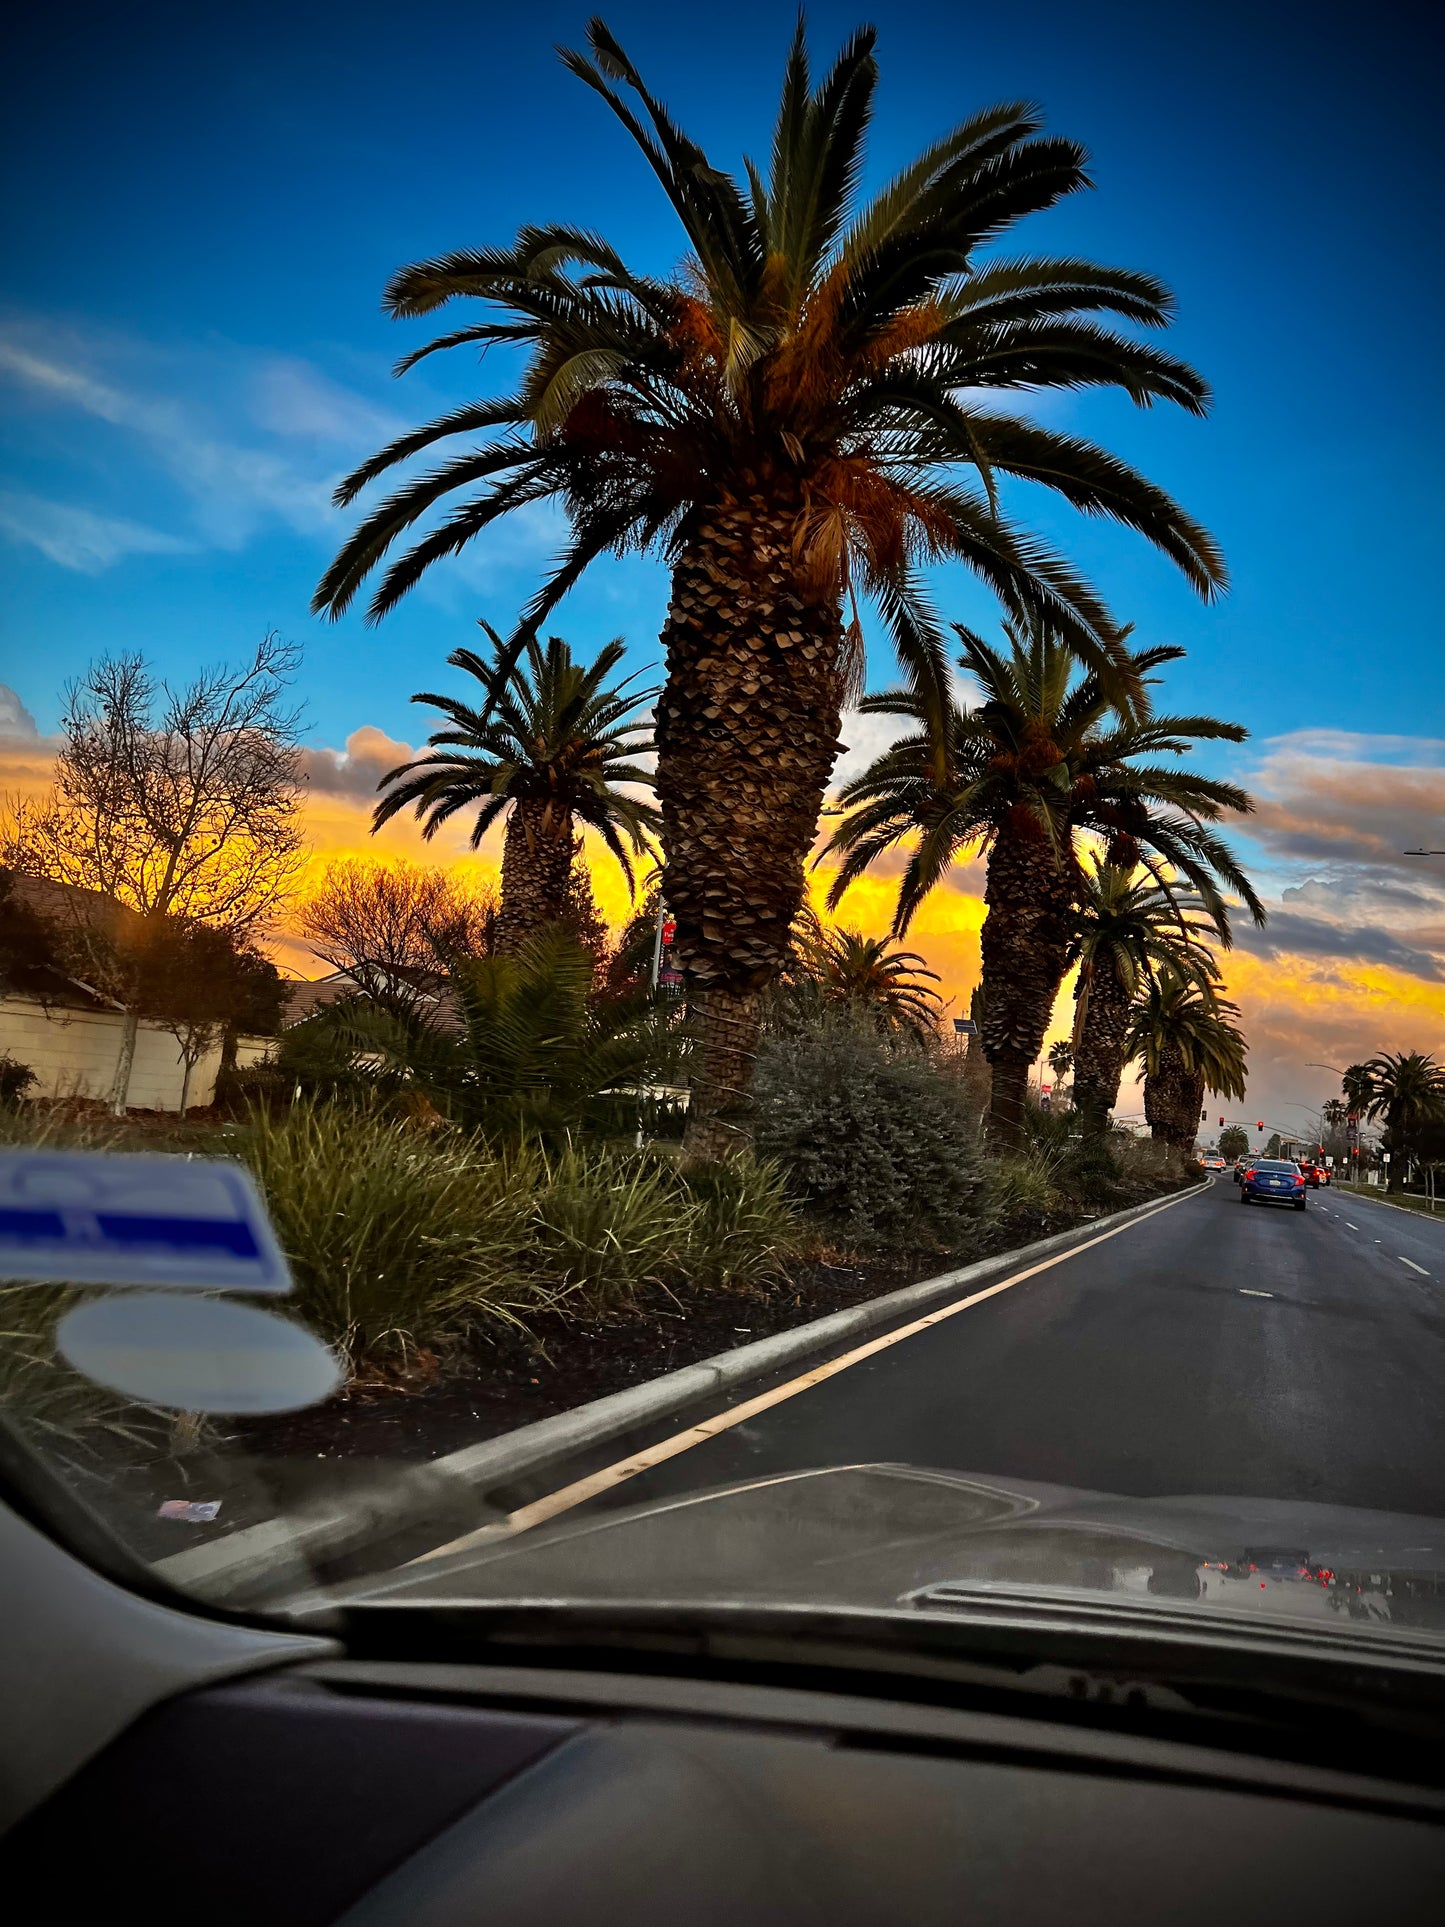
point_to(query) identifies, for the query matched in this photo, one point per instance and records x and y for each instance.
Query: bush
(397, 1239)
(15, 1078)
(871, 1138)
(52, 1407)
(606, 1223)
(742, 1230)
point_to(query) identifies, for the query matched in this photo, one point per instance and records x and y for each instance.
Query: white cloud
(247, 440)
(76, 538)
(15, 718)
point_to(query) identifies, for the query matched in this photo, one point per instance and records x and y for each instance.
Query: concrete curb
(260, 1549)
(1346, 1191)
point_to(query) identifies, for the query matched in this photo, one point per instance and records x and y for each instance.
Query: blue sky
(206, 203)
(209, 202)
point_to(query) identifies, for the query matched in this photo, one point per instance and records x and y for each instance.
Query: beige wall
(73, 1053)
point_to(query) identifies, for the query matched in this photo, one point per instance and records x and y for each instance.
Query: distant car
(1242, 1164)
(1214, 1164)
(1273, 1181)
(1314, 1174)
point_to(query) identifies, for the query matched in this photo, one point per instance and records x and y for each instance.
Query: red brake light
(1300, 1182)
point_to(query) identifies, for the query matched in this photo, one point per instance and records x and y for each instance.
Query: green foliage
(48, 1404)
(402, 1237)
(527, 1052)
(1233, 1141)
(872, 1139)
(397, 1239)
(15, 1078)
(549, 730)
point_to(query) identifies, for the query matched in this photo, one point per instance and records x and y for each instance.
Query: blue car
(1273, 1181)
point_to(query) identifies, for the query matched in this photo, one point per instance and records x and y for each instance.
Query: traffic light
(1260, 1125)
(1221, 1120)
(1204, 1117)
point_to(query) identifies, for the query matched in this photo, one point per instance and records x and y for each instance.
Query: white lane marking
(1353, 1227)
(567, 1496)
(1413, 1266)
(1245, 1292)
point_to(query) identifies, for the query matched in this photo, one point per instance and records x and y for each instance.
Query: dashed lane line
(1413, 1266)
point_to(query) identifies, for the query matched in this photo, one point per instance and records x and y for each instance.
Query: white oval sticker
(197, 1354)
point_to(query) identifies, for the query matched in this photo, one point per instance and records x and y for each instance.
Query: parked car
(1273, 1181)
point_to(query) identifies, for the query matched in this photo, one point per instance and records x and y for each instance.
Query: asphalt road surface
(1211, 1348)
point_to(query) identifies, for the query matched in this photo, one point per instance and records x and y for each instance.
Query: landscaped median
(414, 1509)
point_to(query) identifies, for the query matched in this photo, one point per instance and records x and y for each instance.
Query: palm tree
(1407, 1090)
(873, 976)
(1044, 757)
(526, 1049)
(1128, 927)
(787, 419)
(549, 748)
(1061, 1059)
(1183, 1033)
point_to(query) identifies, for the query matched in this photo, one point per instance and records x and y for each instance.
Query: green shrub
(742, 1230)
(397, 1238)
(1023, 1185)
(872, 1138)
(52, 1407)
(605, 1224)
(15, 1078)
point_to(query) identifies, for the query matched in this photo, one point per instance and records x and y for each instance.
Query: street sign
(93, 1218)
(965, 1027)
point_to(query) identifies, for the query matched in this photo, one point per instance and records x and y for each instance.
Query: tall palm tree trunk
(1102, 1048)
(1025, 941)
(747, 733)
(1172, 1097)
(537, 856)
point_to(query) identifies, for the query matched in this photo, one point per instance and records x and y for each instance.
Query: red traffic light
(1260, 1125)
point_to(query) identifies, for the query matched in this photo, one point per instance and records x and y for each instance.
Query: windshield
(647, 953)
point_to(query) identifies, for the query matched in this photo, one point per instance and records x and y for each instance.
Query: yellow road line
(568, 1496)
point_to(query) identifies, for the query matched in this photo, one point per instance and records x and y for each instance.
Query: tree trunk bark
(125, 1058)
(1099, 1064)
(747, 733)
(537, 853)
(1024, 941)
(1172, 1097)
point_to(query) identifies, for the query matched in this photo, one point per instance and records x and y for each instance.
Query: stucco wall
(73, 1053)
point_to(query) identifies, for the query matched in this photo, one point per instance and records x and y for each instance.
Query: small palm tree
(549, 748)
(1061, 1059)
(525, 1048)
(1184, 1035)
(1043, 758)
(1128, 927)
(873, 976)
(1407, 1090)
(788, 418)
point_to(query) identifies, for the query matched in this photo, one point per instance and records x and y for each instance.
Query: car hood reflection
(884, 1536)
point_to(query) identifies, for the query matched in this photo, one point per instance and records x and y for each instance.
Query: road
(1209, 1348)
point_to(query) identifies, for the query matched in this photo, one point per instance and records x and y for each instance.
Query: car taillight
(1300, 1182)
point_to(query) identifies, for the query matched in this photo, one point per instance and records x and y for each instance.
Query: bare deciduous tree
(388, 927)
(173, 802)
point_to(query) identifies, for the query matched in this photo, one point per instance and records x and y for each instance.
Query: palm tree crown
(1043, 758)
(1128, 928)
(786, 418)
(874, 976)
(552, 745)
(1407, 1090)
(834, 342)
(1185, 1036)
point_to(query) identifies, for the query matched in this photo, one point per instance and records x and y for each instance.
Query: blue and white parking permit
(92, 1218)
